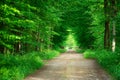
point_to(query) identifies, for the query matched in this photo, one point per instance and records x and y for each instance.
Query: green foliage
(81, 51)
(59, 39)
(49, 54)
(110, 61)
(79, 21)
(97, 25)
(31, 25)
(17, 67)
(61, 50)
(70, 41)
(89, 54)
(27, 26)
(107, 59)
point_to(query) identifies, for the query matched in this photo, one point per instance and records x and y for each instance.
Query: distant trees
(78, 19)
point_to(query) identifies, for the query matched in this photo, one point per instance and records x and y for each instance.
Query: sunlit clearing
(70, 42)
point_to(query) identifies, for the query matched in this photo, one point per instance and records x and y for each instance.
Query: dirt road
(70, 66)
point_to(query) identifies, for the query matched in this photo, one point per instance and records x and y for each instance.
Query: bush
(49, 54)
(61, 50)
(89, 54)
(17, 67)
(80, 51)
(108, 60)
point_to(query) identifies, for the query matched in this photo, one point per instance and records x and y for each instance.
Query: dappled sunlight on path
(70, 66)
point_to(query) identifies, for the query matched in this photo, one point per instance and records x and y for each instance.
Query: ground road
(70, 66)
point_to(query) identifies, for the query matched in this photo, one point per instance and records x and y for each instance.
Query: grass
(61, 50)
(80, 51)
(108, 60)
(89, 54)
(17, 67)
(49, 54)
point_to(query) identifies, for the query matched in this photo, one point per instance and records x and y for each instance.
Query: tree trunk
(38, 41)
(17, 47)
(114, 35)
(114, 13)
(1, 49)
(107, 25)
(107, 35)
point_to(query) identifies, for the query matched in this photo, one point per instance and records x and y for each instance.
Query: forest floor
(70, 66)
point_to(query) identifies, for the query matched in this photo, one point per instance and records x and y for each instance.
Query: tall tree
(113, 16)
(110, 9)
(107, 25)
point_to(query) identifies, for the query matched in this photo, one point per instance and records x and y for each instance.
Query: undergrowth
(49, 54)
(17, 67)
(89, 54)
(108, 60)
(80, 51)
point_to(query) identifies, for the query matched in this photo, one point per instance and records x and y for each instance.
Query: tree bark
(113, 14)
(107, 35)
(1, 49)
(107, 25)
(114, 35)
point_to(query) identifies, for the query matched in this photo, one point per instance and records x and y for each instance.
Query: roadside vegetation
(108, 60)
(17, 67)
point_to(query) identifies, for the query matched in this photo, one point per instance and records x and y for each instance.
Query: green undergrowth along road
(108, 60)
(48, 54)
(80, 50)
(17, 67)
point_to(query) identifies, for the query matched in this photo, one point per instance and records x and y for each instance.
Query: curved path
(70, 66)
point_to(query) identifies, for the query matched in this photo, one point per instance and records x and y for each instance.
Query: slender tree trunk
(114, 13)
(38, 41)
(6, 50)
(107, 25)
(114, 35)
(49, 45)
(107, 35)
(41, 45)
(17, 47)
(1, 49)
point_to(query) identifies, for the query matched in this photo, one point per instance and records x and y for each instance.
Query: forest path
(70, 66)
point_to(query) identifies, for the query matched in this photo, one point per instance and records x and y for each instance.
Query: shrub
(108, 60)
(61, 50)
(49, 54)
(80, 51)
(17, 67)
(89, 54)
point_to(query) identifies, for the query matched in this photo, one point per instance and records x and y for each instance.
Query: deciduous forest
(32, 31)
